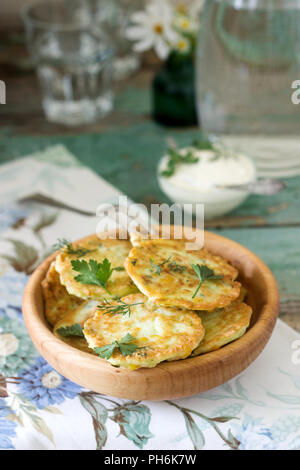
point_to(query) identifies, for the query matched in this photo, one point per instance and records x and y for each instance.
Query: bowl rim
(42, 336)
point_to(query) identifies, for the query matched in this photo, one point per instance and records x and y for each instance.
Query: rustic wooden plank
(279, 248)
(128, 158)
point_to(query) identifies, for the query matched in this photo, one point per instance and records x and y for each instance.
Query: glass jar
(248, 60)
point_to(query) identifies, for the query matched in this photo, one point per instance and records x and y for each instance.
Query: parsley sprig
(94, 272)
(204, 273)
(67, 247)
(120, 308)
(73, 330)
(175, 157)
(125, 345)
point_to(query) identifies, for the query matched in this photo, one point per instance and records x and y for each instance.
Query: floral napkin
(41, 409)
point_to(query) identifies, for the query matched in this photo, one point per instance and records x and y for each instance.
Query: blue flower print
(12, 285)
(252, 435)
(7, 427)
(43, 386)
(10, 214)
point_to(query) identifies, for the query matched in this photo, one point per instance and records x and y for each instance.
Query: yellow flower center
(182, 45)
(158, 28)
(185, 24)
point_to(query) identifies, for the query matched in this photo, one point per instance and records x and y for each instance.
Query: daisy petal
(161, 48)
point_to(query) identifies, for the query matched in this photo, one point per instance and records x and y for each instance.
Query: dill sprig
(67, 247)
(121, 308)
(157, 267)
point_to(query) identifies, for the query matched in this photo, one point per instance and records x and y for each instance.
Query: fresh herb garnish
(204, 273)
(121, 308)
(73, 330)
(67, 247)
(177, 268)
(125, 345)
(175, 157)
(157, 267)
(94, 272)
(202, 144)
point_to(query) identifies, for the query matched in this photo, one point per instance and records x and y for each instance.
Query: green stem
(95, 394)
(197, 290)
(207, 419)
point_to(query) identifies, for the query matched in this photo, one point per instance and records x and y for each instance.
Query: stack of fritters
(153, 300)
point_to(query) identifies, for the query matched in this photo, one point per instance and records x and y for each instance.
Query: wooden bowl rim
(40, 332)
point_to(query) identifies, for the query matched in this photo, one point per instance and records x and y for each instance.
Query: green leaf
(45, 219)
(25, 257)
(104, 271)
(99, 416)
(202, 144)
(289, 399)
(233, 440)
(73, 330)
(175, 158)
(106, 351)
(134, 420)
(26, 413)
(67, 247)
(93, 272)
(196, 435)
(204, 273)
(125, 345)
(223, 419)
(51, 409)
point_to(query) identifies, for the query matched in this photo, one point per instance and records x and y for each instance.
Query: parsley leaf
(175, 157)
(204, 273)
(125, 345)
(106, 351)
(73, 330)
(94, 272)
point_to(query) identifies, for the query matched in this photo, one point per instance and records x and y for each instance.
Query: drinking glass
(113, 17)
(73, 58)
(248, 59)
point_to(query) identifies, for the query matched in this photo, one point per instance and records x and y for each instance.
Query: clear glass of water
(73, 58)
(247, 61)
(113, 17)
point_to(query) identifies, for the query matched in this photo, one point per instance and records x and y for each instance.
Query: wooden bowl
(168, 380)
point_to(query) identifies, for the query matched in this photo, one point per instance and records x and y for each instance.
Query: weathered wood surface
(125, 149)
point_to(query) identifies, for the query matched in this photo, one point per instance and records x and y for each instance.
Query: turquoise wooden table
(125, 149)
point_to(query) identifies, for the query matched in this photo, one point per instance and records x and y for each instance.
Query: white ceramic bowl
(216, 203)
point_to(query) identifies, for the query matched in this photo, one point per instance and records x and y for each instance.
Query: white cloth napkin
(40, 409)
(55, 173)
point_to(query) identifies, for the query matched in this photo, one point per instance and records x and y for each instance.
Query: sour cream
(200, 182)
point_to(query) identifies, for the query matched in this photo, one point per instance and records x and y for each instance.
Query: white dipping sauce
(198, 182)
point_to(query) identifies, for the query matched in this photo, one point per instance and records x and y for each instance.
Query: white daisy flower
(153, 28)
(184, 24)
(182, 45)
